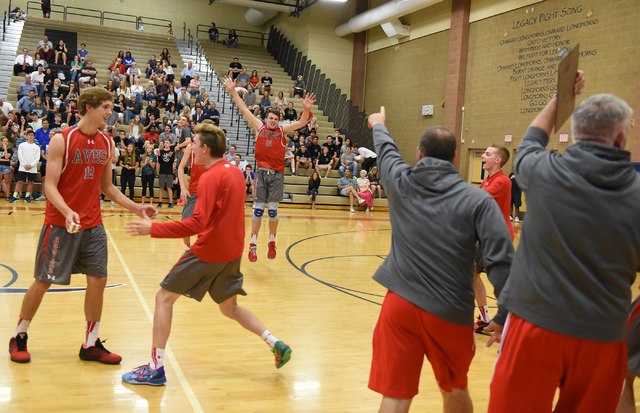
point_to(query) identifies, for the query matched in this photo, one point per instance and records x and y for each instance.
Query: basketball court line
(174, 362)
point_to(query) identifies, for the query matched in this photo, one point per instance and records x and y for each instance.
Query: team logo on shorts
(51, 277)
(54, 252)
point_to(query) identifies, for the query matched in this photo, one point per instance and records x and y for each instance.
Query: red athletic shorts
(534, 362)
(402, 337)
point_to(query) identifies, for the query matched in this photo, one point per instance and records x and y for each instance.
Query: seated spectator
(314, 148)
(213, 114)
(290, 157)
(281, 102)
(167, 72)
(6, 107)
(213, 33)
(235, 68)
(194, 85)
(83, 53)
(113, 124)
(88, 72)
(76, 68)
(72, 94)
(250, 100)
(134, 73)
(299, 88)
(374, 181)
(303, 157)
(333, 151)
(118, 65)
(39, 109)
(152, 135)
(290, 114)
(120, 106)
(199, 115)
(232, 39)
(250, 181)
(265, 105)
(184, 100)
(45, 48)
(348, 161)
(116, 76)
(152, 109)
(366, 156)
(73, 115)
(337, 139)
(187, 74)
(267, 83)
(162, 90)
(348, 186)
(241, 91)
(170, 114)
(137, 89)
(61, 52)
(254, 79)
(34, 121)
(243, 79)
(347, 142)
(23, 63)
(133, 107)
(150, 91)
(140, 25)
(324, 162)
(37, 78)
(57, 122)
(24, 87)
(136, 132)
(151, 64)
(364, 190)
(128, 61)
(123, 90)
(203, 98)
(313, 188)
(39, 61)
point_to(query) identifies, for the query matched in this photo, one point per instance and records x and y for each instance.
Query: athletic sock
(484, 313)
(26, 195)
(15, 194)
(157, 358)
(91, 335)
(254, 239)
(272, 237)
(23, 326)
(269, 338)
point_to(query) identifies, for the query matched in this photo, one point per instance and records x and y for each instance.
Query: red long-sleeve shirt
(218, 218)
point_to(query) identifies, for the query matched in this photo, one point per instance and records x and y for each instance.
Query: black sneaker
(170, 206)
(18, 348)
(479, 326)
(159, 205)
(99, 353)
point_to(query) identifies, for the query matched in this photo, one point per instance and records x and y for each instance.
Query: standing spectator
(232, 39)
(374, 180)
(187, 74)
(46, 8)
(242, 165)
(61, 51)
(44, 156)
(324, 161)
(23, 63)
(516, 198)
(313, 188)
(83, 53)
(28, 155)
(24, 87)
(45, 48)
(5, 167)
(213, 33)
(348, 161)
(129, 162)
(250, 181)
(364, 155)
(165, 171)
(267, 83)
(299, 87)
(148, 173)
(348, 186)
(364, 190)
(235, 68)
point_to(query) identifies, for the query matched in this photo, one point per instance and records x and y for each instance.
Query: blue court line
(14, 275)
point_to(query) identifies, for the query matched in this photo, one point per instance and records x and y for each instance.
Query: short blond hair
(93, 97)
(213, 137)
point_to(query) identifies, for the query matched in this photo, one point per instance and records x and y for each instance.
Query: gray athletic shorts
(165, 180)
(61, 254)
(633, 342)
(269, 186)
(187, 209)
(194, 278)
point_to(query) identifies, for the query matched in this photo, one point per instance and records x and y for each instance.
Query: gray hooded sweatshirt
(580, 243)
(436, 220)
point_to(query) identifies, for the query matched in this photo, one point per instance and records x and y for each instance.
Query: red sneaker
(272, 250)
(180, 202)
(18, 349)
(99, 353)
(253, 257)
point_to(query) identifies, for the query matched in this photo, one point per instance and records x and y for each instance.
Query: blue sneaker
(145, 375)
(27, 199)
(12, 199)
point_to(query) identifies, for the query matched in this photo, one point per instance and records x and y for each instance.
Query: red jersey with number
(196, 171)
(271, 146)
(499, 186)
(84, 160)
(218, 217)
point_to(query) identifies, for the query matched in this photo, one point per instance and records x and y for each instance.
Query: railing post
(9, 19)
(232, 107)
(184, 31)
(238, 130)
(224, 99)
(101, 18)
(4, 26)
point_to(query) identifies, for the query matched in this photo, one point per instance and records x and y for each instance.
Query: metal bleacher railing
(243, 34)
(346, 117)
(102, 16)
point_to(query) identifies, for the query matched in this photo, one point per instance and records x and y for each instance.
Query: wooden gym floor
(317, 296)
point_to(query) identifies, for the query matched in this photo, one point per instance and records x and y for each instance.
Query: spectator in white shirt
(366, 156)
(37, 78)
(6, 107)
(29, 155)
(23, 63)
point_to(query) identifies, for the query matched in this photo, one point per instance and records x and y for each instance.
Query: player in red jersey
(210, 266)
(499, 186)
(188, 194)
(73, 239)
(270, 149)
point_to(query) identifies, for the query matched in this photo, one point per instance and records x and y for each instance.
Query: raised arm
(231, 86)
(307, 101)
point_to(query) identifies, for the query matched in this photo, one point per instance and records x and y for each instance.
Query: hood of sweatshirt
(603, 166)
(435, 174)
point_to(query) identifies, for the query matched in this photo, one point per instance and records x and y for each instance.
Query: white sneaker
(361, 201)
(367, 209)
(352, 210)
(113, 203)
(41, 198)
(510, 217)
(517, 219)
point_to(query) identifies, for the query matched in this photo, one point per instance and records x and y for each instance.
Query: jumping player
(189, 193)
(73, 239)
(271, 146)
(209, 266)
(499, 186)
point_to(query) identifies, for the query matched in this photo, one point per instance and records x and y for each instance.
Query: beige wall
(312, 34)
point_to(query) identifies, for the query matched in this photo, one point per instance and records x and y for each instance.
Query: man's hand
(579, 83)
(376, 118)
(72, 222)
(137, 228)
(27, 167)
(496, 337)
(229, 83)
(146, 211)
(308, 100)
(184, 194)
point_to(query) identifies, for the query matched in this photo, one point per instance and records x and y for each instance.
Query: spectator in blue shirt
(187, 73)
(25, 87)
(83, 52)
(42, 134)
(213, 114)
(25, 104)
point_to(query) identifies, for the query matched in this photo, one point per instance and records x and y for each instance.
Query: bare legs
(457, 401)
